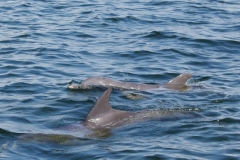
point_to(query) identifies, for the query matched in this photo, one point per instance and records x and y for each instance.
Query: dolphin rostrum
(178, 83)
(102, 115)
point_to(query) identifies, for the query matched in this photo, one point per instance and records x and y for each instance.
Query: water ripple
(46, 44)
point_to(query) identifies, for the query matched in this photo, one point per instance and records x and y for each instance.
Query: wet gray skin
(178, 83)
(101, 119)
(102, 115)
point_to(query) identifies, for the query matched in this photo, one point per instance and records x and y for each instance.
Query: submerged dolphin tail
(179, 82)
(101, 106)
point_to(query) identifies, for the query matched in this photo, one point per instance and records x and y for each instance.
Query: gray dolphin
(101, 119)
(178, 83)
(102, 115)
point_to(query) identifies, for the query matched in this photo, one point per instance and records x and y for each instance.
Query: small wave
(4, 132)
(157, 34)
(23, 36)
(120, 19)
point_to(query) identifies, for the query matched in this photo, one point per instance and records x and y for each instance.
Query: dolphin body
(178, 83)
(101, 119)
(103, 116)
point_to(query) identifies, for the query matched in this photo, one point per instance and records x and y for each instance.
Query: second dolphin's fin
(179, 82)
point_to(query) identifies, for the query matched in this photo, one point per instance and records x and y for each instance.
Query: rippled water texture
(44, 45)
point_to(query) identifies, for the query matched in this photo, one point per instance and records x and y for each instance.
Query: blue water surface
(45, 44)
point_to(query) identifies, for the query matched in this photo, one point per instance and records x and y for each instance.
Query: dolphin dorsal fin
(101, 106)
(178, 82)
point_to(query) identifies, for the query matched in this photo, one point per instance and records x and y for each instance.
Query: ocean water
(44, 45)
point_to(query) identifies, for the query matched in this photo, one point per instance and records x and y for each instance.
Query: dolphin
(101, 119)
(178, 83)
(103, 116)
